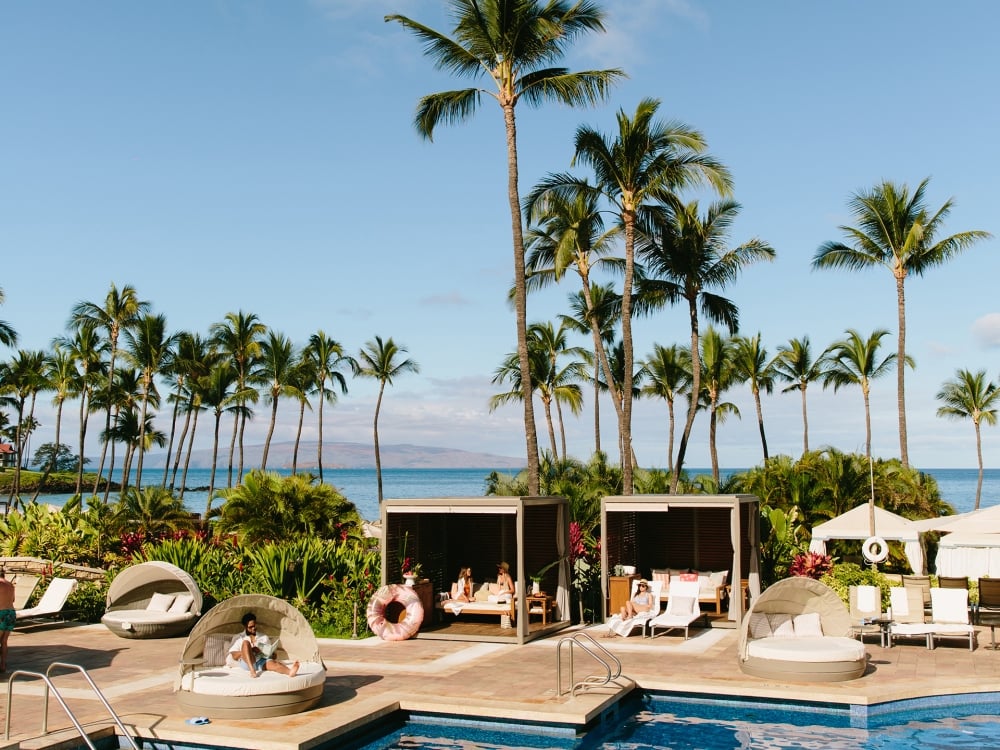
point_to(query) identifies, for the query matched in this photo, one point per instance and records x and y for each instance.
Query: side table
(539, 604)
(189, 666)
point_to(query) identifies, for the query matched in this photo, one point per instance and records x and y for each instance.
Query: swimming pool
(674, 722)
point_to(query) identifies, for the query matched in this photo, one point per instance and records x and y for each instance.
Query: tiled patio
(372, 678)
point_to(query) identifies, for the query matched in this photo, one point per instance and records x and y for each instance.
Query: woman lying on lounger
(244, 651)
(461, 590)
(641, 602)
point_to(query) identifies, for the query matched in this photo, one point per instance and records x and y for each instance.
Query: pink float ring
(407, 600)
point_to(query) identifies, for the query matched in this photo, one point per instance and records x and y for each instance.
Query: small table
(543, 601)
(884, 624)
(190, 664)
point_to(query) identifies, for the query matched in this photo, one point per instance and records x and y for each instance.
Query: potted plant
(536, 578)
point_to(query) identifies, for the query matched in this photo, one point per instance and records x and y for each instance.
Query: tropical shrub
(844, 575)
(88, 600)
(810, 565)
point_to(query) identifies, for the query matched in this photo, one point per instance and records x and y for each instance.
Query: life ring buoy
(395, 613)
(875, 549)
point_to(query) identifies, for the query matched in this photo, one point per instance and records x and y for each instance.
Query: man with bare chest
(7, 616)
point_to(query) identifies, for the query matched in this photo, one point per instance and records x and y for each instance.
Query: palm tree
(276, 371)
(751, 366)
(596, 313)
(895, 230)
(148, 350)
(238, 337)
(21, 379)
(219, 392)
(326, 357)
(513, 43)
(121, 309)
(87, 350)
(151, 511)
(380, 361)
(124, 397)
(63, 380)
(668, 373)
(560, 383)
(718, 376)
(855, 361)
(8, 336)
(190, 359)
(794, 364)
(646, 161)
(971, 396)
(685, 257)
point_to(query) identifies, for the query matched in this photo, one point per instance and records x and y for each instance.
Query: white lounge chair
(865, 604)
(906, 604)
(950, 616)
(52, 602)
(682, 609)
(625, 627)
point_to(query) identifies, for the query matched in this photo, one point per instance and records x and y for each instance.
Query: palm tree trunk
(319, 444)
(142, 439)
(670, 436)
(520, 304)
(601, 353)
(84, 414)
(562, 428)
(597, 407)
(170, 442)
(547, 407)
(378, 458)
(693, 398)
(868, 422)
(187, 460)
(232, 446)
(628, 214)
(712, 447)
(904, 455)
(270, 432)
(979, 455)
(298, 437)
(107, 422)
(243, 427)
(760, 421)
(211, 479)
(805, 422)
(180, 443)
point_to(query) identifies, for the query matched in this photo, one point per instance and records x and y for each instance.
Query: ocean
(958, 486)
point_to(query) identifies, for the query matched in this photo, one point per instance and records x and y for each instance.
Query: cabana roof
(855, 524)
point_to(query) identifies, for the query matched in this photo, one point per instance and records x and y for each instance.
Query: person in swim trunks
(7, 616)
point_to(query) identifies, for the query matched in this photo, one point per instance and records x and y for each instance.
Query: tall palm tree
(218, 392)
(668, 373)
(380, 360)
(190, 359)
(895, 230)
(63, 380)
(855, 361)
(646, 161)
(303, 379)
(238, 337)
(276, 372)
(686, 256)
(561, 383)
(120, 310)
(513, 43)
(751, 365)
(596, 313)
(569, 233)
(327, 357)
(148, 348)
(87, 349)
(970, 396)
(718, 376)
(794, 365)
(124, 397)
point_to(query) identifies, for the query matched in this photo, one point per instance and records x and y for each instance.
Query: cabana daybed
(206, 686)
(152, 600)
(798, 630)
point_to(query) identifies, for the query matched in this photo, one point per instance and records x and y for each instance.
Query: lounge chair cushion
(181, 604)
(236, 682)
(160, 602)
(808, 625)
(760, 626)
(807, 649)
(677, 605)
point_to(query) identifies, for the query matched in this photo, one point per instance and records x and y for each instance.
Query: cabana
(966, 554)
(446, 534)
(702, 533)
(856, 524)
(152, 600)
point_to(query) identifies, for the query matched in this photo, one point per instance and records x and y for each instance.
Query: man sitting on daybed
(245, 651)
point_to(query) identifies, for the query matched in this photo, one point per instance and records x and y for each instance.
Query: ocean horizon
(957, 486)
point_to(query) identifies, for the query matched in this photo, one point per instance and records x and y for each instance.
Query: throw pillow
(160, 602)
(182, 603)
(692, 577)
(216, 645)
(718, 578)
(781, 625)
(483, 595)
(662, 576)
(682, 605)
(760, 626)
(808, 625)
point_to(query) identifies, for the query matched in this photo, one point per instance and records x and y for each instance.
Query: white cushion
(216, 648)
(143, 617)
(238, 682)
(823, 649)
(760, 626)
(808, 625)
(781, 624)
(681, 605)
(181, 604)
(718, 579)
(160, 602)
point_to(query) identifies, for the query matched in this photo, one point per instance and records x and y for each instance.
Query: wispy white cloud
(987, 330)
(633, 28)
(449, 299)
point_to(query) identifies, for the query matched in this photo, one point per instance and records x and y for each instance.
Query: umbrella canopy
(854, 524)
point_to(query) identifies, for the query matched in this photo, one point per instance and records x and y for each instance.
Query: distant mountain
(351, 456)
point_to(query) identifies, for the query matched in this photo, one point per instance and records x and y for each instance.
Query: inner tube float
(395, 613)
(875, 549)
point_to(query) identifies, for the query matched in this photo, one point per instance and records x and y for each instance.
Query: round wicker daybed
(152, 600)
(798, 630)
(205, 686)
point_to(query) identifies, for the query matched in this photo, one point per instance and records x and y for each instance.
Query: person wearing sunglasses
(641, 602)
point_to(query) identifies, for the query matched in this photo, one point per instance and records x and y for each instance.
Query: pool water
(678, 723)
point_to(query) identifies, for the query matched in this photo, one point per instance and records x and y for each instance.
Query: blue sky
(261, 156)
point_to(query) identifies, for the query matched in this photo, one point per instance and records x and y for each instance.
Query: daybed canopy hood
(856, 524)
(152, 577)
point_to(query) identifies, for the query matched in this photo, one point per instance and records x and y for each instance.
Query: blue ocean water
(958, 486)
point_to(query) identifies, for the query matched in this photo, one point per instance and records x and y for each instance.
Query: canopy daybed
(799, 630)
(856, 524)
(152, 600)
(205, 685)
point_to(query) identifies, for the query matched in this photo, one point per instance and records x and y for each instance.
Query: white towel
(866, 599)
